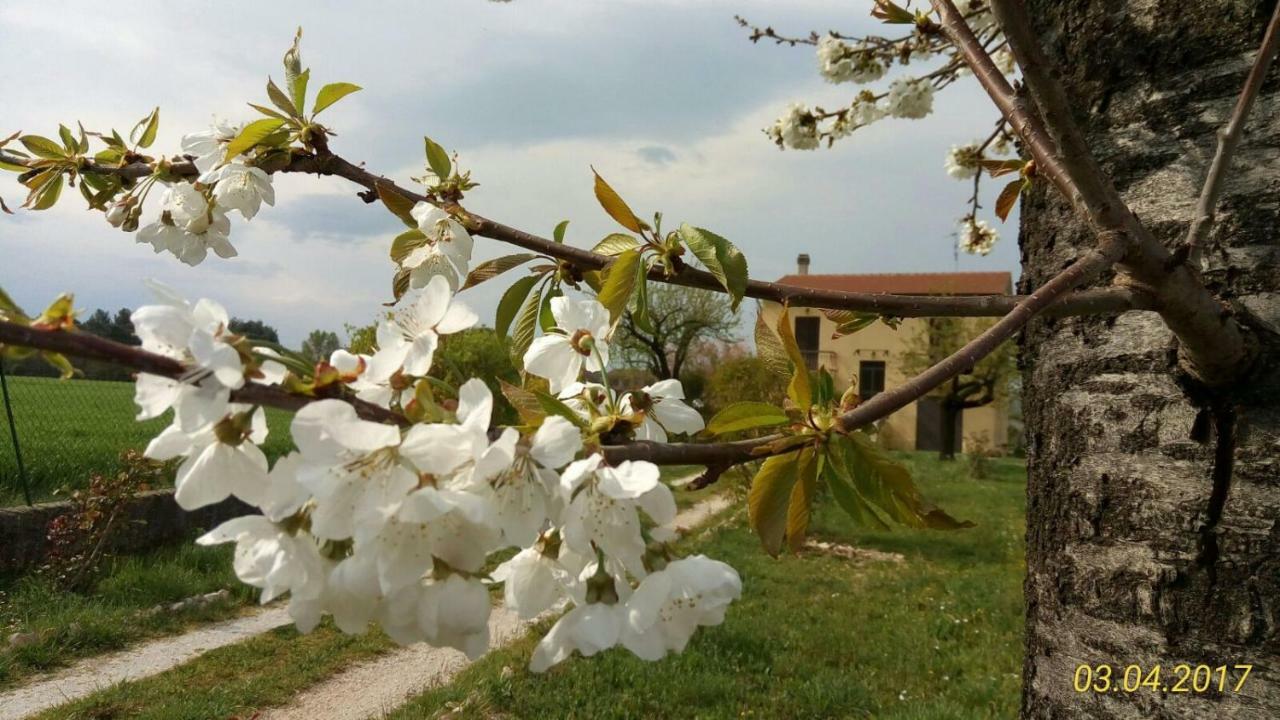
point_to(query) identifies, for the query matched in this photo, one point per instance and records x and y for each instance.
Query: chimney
(802, 264)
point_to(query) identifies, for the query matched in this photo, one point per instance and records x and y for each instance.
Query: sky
(667, 99)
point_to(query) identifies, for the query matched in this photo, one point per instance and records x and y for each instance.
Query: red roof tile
(957, 283)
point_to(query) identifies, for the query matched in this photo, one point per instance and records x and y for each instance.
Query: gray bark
(1125, 563)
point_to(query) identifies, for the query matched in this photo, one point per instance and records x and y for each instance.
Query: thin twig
(1228, 139)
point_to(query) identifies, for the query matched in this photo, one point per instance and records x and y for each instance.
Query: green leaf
(770, 496)
(68, 140)
(615, 244)
(332, 93)
(849, 321)
(490, 269)
(511, 302)
(526, 325)
(722, 259)
(43, 147)
(641, 312)
(745, 416)
(546, 318)
(299, 91)
(616, 206)
(525, 403)
(252, 134)
(405, 243)
(399, 205)
(268, 112)
(438, 159)
(281, 100)
(144, 133)
(293, 76)
(558, 233)
(799, 389)
(554, 406)
(769, 348)
(619, 283)
(399, 285)
(847, 496)
(887, 484)
(47, 193)
(800, 504)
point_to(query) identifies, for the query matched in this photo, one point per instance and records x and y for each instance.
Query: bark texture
(1132, 556)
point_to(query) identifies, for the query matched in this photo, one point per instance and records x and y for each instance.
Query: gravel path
(95, 673)
(374, 688)
(362, 691)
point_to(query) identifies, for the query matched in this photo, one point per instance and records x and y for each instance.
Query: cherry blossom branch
(1101, 301)
(91, 347)
(1228, 139)
(1212, 345)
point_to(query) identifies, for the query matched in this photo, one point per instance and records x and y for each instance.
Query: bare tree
(680, 319)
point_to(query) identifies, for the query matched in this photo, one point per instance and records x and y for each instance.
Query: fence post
(13, 434)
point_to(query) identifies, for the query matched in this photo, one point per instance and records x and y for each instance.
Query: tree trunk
(1126, 564)
(950, 415)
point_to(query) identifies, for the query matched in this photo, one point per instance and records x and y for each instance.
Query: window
(807, 339)
(870, 378)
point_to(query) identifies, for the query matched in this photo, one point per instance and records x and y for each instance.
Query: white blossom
(582, 340)
(1005, 61)
(270, 558)
(909, 98)
(964, 161)
(840, 62)
(241, 187)
(797, 129)
(664, 411)
(977, 237)
(588, 629)
(669, 605)
(446, 251)
(408, 340)
(208, 147)
(603, 508)
(222, 459)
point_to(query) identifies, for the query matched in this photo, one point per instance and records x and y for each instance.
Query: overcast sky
(666, 99)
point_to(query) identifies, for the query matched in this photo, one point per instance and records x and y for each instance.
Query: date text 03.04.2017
(1181, 678)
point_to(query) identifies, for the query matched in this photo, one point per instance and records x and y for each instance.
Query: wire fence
(56, 433)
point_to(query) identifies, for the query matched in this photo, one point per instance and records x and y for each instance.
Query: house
(874, 355)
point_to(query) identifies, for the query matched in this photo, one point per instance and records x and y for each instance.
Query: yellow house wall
(880, 342)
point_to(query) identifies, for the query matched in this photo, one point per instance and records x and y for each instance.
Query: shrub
(739, 379)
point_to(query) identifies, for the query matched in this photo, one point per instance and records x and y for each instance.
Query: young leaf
(281, 100)
(332, 93)
(46, 194)
(399, 205)
(268, 112)
(996, 168)
(745, 416)
(554, 406)
(68, 140)
(405, 243)
(299, 91)
(799, 389)
(615, 244)
(526, 325)
(252, 134)
(399, 285)
(525, 403)
(847, 497)
(511, 302)
(616, 206)
(293, 75)
(888, 485)
(1008, 198)
(144, 133)
(438, 159)
(770, 495)
(800, 504)
(641, 312)
(490, 269)
(43, 147)
(619, 283)
(546, 318)
(848, 321)
(721, 258)
(769, 348)
(558, 233)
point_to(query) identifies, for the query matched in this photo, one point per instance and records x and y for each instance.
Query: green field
(69, 429)
(935, 635)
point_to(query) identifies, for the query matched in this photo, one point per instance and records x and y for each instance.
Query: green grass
(814, 636)
(69, 429)
(937, 636)
(72, 626)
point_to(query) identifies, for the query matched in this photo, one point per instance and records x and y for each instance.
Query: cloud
(656, 154)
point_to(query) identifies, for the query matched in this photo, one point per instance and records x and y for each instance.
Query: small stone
(508, 672)
(22, 639)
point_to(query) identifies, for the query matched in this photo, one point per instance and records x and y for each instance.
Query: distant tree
(478, 353)
(742, 378)
(118, 327)
(982, 384)
(320, 344)
(682, 319)
(254, 329)
(362, 339)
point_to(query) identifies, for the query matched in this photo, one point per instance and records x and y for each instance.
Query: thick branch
(1087, 302)
(1228, 139)
(1211, 343)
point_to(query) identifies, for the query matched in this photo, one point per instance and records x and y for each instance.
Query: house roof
(956, 283)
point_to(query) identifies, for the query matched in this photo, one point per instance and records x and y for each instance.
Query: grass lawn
(72, 626)
(69, 429)
(935, 636)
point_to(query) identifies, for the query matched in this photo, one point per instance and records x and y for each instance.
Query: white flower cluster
(964, 161)
(446, 250)
(798, 129)
(374, 523)
(193, 216)
(909, 98)
(840, 62)
(977, 237)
